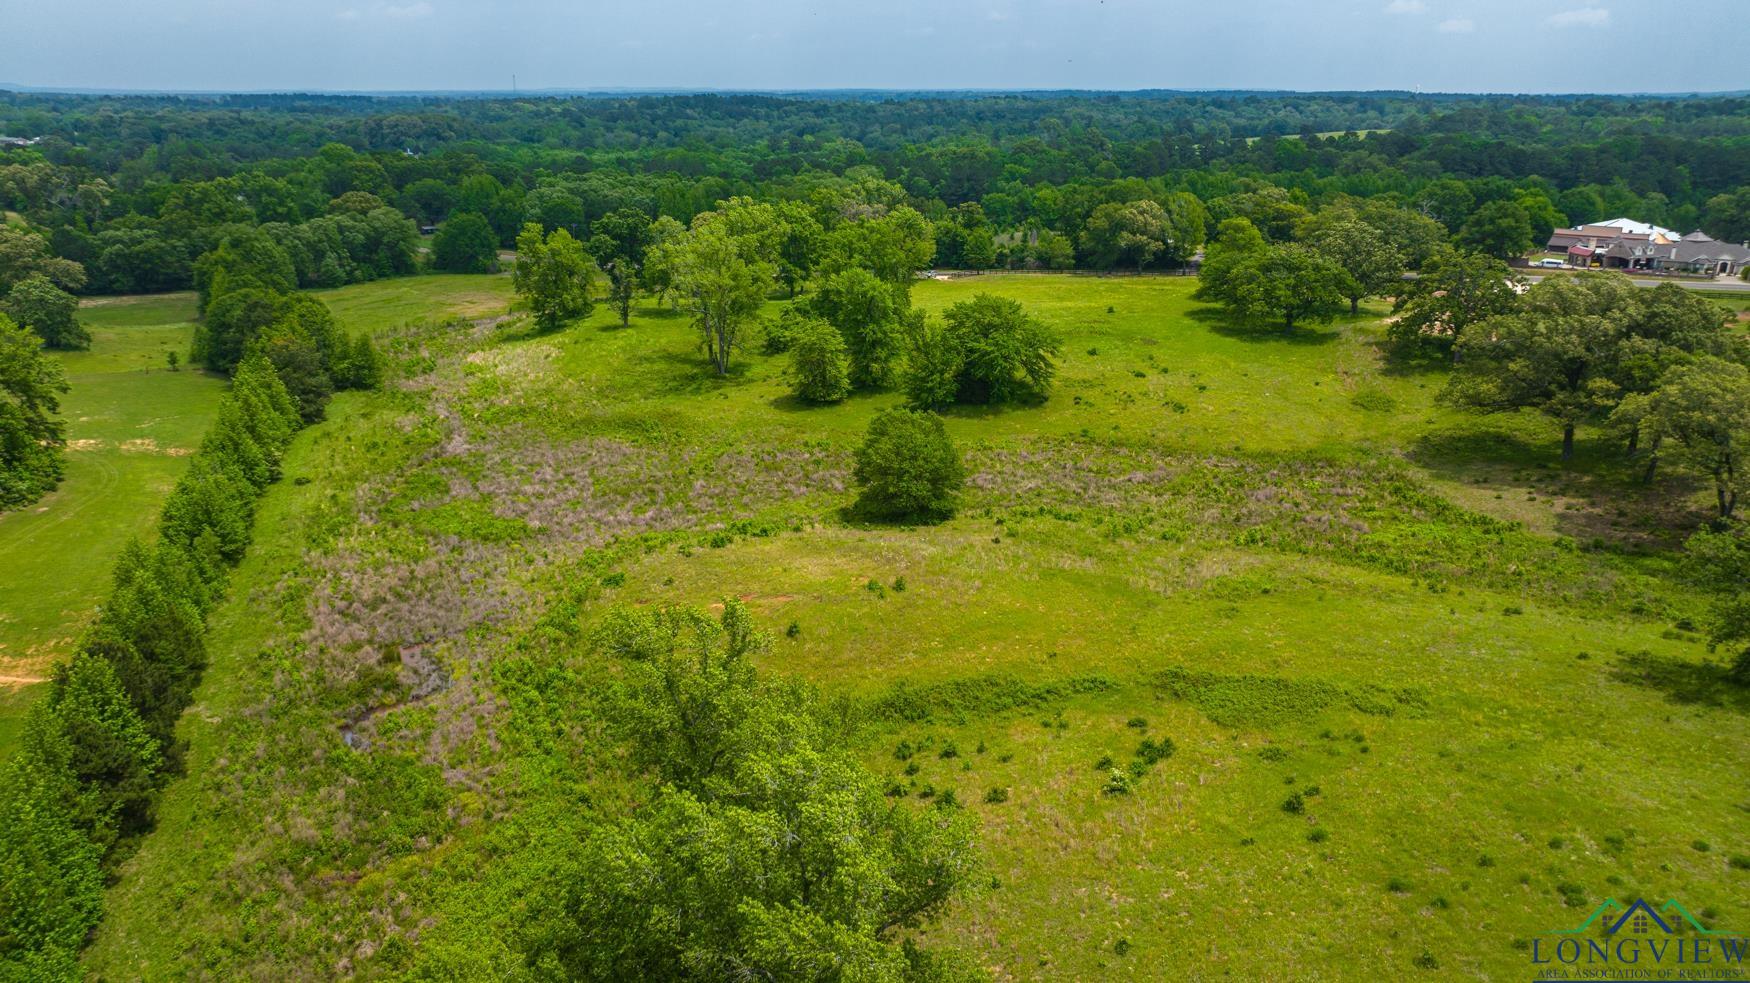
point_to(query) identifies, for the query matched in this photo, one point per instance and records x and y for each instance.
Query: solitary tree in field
(818, 362)
(1454, 291)
(1374, 267)
(724, 287)
(465, 244)
(1004, 353)
(552, 276)
(1555, 355)
(908, 468)
(1290, 284)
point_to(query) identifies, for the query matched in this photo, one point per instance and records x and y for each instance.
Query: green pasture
(1429, 692)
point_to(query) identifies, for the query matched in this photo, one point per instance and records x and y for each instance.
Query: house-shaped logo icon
(1638, 919)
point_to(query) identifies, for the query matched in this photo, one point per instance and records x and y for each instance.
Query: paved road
(1724, 286)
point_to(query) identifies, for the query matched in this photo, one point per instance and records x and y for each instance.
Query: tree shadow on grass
(1411, 360)
(858, 514)
(791, 403)
(688, 373)
(1682, 682)
(1455, 451)
(1219, 322)
(659, 313)
(990, 411)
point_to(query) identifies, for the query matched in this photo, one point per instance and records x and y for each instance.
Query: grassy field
(1429, 693)
(130, 424)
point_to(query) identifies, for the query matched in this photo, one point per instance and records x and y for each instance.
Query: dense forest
(136, 188)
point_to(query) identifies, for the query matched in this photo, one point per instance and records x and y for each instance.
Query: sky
(346, 45)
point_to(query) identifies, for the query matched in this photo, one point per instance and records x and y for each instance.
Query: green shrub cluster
(96, 749)
(248, 307)
(765, 850)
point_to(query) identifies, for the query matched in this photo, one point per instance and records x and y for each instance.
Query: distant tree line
(134, 190)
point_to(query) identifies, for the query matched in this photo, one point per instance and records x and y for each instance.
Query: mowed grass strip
(131, 423)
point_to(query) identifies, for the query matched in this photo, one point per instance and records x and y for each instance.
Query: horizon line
(21, 88)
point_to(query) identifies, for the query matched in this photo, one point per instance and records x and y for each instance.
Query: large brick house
(1624, 244)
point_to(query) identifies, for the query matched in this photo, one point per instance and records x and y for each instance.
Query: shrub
(1117, 783)
(1151, 751)
(51, 885)
(1318, 835)
(818, 367)
(908, 468)
(1294, 804)
(1397, 885)
(1137, 723)
(996, 794)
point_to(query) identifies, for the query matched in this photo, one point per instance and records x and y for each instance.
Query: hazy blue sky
(1449, 45)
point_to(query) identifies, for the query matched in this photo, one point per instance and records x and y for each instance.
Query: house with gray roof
(1696, 252)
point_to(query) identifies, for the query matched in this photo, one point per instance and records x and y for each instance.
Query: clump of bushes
(988, 350)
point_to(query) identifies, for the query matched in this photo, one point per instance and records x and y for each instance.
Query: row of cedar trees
(81, 789)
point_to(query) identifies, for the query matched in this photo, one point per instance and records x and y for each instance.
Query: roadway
(1723, 285)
